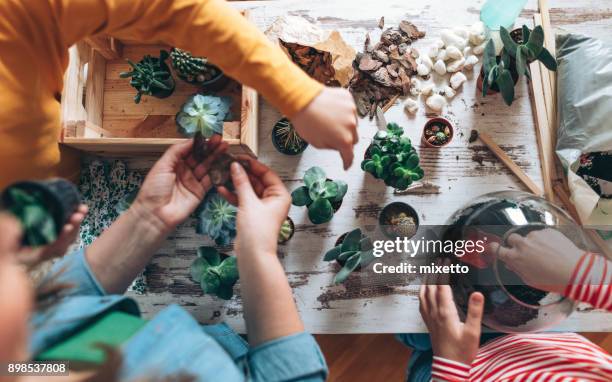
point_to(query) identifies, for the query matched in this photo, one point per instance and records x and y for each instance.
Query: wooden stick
(506, 160)
(390, 103)
(549, 40)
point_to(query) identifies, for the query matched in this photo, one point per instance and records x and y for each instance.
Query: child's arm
(591, 281)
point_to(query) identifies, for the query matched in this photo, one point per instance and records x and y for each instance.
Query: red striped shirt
(536, 357)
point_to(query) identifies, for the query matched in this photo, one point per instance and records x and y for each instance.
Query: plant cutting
(286, 232)
(321, 195)
(286, 139)
(392, 158)
(204, 114)
(151, 76)
(437, 132)
(398, 219)
(215, 272)
(353, 252)
(42, 207)
(195, 70)
(216, 218)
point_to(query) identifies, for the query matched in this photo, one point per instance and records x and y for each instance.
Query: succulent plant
(286, 231)
(355, 251)
(392, 158)
(286, 139)
(216, 218)
(204, 114)
(216, 273)
(319, 194)
(192, 69)
(150, 76)
(37, 221)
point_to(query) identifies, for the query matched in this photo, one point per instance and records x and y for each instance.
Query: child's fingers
(11, 234)
(475, 309)
(228, 195)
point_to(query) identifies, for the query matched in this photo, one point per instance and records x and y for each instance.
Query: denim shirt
(173, 341)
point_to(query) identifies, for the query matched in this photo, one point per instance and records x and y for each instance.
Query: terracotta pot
(438, 121)
(394, 209)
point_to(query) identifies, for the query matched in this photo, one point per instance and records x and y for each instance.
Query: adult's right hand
(329, 121)
(544, 259)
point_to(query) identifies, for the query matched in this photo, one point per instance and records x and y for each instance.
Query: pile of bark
(384, 70)
(315, 62)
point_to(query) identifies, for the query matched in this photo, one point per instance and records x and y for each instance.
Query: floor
(379, 357)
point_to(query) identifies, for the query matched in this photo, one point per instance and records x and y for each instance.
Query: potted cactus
(216, 218)
(501, 72)
(286, 231)
(320, 195)
(204, 114)
(398, 219)
(437, 132)
(285, 138)
(392, 158)
(197, 70)
(42, 207)
(353, 251)
(215, 272)
(151, 76)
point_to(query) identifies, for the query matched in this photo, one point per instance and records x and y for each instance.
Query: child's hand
(451, 338)
(263, 204)
(330, 122)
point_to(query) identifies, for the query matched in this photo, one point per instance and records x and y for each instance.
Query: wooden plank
(110, 48)
(94, 91)
(132, 145)
(506, 160)
(249, 119)
(72, 108)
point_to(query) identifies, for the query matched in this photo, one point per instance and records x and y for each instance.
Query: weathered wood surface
(454, 175)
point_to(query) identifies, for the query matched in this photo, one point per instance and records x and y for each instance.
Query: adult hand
(544, 259)
(451, 338)
(30, 257)
(329, 121)
(263, 204)
(176, 184)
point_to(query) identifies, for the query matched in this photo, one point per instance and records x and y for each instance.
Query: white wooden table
(452, 175)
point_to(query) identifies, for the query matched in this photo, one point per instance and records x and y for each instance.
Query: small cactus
(192, 69)
(150, 76)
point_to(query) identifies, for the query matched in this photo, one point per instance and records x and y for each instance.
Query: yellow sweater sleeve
(34, 41)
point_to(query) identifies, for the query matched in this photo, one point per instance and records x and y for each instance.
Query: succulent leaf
(351, 264)
(320, 211)
(204, 114)
(217, 218)
(300, 197)
(312, 175)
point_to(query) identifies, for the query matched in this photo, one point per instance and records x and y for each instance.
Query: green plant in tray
(216, 218)
(392, 158)
(204, 114)
(215, 272)
(150, 76)
(286, 139)
(354, 252)
(321, 195)
(193, 69)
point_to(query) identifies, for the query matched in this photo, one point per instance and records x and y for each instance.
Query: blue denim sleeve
(74, 270)
(291, 358)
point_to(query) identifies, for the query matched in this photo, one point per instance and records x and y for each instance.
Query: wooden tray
(100, 116)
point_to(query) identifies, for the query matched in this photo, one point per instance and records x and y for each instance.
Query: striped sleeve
(591, 281)
(446, 370)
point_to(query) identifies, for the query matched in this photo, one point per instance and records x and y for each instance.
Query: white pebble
(442, 55)
(436, 102)
(457, 80)
(470, 61)
(467, 51)
(432, 52)
(415, 53)
(461, 32)
(477, 33)
(427, 90)
(449, 92)
(440, 67)
(451, 39)
(439, 43)
(425, 60)
(453, 52)
(423, 70)
(478, 49)
(455, 66)
(411, 106)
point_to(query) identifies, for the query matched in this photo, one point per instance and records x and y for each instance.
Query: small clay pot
(61, 198)
(292, 225)
(442, 123)
(215, 84)
(392, 209)
(278, 145)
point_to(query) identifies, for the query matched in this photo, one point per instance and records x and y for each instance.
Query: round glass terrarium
(510, 304)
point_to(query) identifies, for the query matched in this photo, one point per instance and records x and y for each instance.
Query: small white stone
(467, 51)
(462, 32)
(453, 52)
(423, 70)
(436, 102)
(440, 67)
(451, 39)
(455, 66)
(457, 80)
(415, 91)
(427, 90)
(441, 55)
(470, 61)
(432, 52)
(477, 33)
(425, 60)
(449, 92)
(439, 43)
(478, 49)
(415, 53)
(411, 106)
